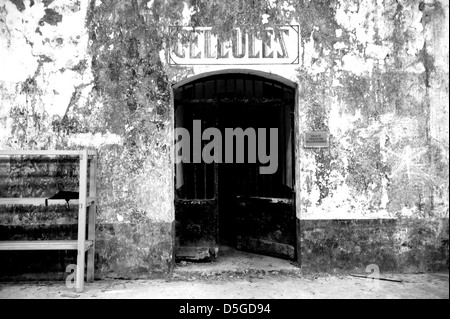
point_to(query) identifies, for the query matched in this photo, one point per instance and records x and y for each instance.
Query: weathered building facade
(110, 75)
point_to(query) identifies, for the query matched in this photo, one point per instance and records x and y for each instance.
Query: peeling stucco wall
(85, 74)
(78, 73)
(373, 89)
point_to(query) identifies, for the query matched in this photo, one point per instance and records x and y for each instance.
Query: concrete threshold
(231, 261)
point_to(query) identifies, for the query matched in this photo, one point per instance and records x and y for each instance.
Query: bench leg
(90, 265)
(91, 221)
(82, 222)
(79, 282)
(91, 251)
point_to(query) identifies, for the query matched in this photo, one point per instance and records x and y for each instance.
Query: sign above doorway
(199, 46)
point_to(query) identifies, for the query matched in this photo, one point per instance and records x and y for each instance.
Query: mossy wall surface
(94, 74)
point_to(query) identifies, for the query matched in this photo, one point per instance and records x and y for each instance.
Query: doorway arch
(229, 203)
(261, 74)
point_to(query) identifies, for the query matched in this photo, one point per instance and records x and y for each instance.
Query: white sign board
(316, 139)
(200, 46)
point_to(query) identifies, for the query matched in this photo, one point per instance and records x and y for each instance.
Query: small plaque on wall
(316, 139)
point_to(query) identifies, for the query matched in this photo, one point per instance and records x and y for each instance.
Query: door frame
(296, 147)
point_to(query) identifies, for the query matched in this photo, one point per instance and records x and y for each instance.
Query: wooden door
(196, 200)
(266, 216)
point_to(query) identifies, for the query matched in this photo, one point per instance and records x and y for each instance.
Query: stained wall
(94, 74)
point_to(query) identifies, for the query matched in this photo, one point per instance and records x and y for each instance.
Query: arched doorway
(247, 199)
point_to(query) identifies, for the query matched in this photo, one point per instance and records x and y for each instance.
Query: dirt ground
(238, 275)
(420, 286)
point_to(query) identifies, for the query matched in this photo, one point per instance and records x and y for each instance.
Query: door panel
(266, 221)
(196, 205)
(266, 226)
(196, 228)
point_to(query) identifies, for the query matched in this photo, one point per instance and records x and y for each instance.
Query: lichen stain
(51, 17)
(19, 5)
(317, 19)
(131, 82)
(122, 258)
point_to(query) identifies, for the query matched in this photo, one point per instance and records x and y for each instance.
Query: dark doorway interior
(233, 204)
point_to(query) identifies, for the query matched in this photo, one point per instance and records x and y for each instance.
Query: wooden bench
(88, 159)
